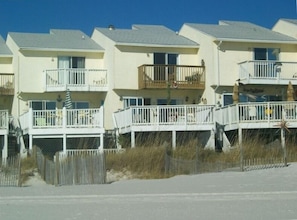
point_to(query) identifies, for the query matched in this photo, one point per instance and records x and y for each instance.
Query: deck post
(132, 139)
(5, 148)
(101, 141)
(64, 143)
(30, 142)
(240, 147)
(174, 139)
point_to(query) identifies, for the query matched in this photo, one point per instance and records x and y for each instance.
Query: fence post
(57, 170)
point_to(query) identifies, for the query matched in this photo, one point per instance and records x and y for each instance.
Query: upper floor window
(71, 62)
(266, 53)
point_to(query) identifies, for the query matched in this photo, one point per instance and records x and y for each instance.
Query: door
(63, 70)
(159, 68)
(265, 62)
(78, 70)
(165, 66)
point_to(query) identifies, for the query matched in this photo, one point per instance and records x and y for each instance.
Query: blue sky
(39, 16)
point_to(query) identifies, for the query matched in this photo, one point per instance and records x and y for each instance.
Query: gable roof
(147, 35)
(4, 50)
(56, 40)
(235, 31)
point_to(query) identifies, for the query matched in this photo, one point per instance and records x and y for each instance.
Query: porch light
(59, 99)
(187, 98)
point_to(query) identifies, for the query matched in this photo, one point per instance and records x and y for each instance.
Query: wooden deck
(175, 76)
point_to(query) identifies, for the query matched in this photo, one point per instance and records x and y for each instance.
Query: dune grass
(149, 161)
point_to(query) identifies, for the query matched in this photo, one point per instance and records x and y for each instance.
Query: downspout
(218, 72)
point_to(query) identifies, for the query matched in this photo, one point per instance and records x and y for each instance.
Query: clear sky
(39, 16)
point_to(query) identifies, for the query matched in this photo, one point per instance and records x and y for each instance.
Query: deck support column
(174, 139)
(30, 142)
(132, 139)
(64, 143)
(5, 148)
(240, 147)
(101, 141)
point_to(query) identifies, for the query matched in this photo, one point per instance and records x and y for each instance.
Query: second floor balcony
(6, 84)
(267, 72)
(76, 79)
(177, 76)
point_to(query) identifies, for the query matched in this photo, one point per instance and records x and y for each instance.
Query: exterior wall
(286, 28)
(6, 65)
(208, 51)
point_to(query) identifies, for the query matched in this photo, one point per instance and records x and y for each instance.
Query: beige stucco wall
(6, 65)
(286, 28)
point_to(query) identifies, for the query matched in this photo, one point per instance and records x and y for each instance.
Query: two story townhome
(60, 87)
(155, 73)
(249, 65)
(6, 94)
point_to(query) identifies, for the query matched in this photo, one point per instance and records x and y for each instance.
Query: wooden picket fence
(73, 167)
(174, 166)
(10, 171)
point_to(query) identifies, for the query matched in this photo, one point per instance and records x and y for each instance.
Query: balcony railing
(62, 119)
(272, 72)
(177, 76)
(6, 84)
(76, 79)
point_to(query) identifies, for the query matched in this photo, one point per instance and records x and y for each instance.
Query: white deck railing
(76, 78)
(248, 115)
(257, 112)
(273, 70)
(164, 115)
(62, 118)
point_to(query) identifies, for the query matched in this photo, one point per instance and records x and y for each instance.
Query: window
(79, 105)
(71, 70)
(43, 105)
(133, 101)
(266, 53)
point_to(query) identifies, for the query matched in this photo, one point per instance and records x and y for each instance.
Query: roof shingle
(147, 35)
(242, 31)
(56, 40)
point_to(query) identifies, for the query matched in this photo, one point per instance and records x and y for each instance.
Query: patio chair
(40, 122)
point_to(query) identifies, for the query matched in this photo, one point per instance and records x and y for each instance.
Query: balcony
(76, 80)
(268, 72)
(6, 84)
(176, 76)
